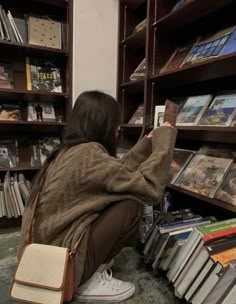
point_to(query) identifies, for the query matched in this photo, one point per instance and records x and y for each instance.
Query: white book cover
(220, 112)
(158, 116)
(41, 112)
(192, 110)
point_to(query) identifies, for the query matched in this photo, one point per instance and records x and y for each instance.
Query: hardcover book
(227, 189)
(139, 72)
(158, 117)
(220, 112)
(170, 113)
(41, 112)
(137, 117)
(181, 158)
(46, 146)
(203, 174)
(10, 112)
(192, 110)
(43, 75)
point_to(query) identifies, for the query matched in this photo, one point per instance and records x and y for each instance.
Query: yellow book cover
(28, 74)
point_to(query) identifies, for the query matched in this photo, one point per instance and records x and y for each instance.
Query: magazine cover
(43, 75)
(41, 112)
(8, 153)
(137, 117)
(46, 146)
(10, 112)
(192, 110)
(227, 190)
(220, 112)
(203, 174)
(139, 72)
(181, 158)
(158, 117)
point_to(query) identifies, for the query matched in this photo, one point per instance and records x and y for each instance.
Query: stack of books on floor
(197, 254)
(14, 192)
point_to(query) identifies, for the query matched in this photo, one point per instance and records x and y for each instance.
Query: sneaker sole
(107, 299)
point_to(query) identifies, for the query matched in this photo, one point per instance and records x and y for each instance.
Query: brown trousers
(116, 228)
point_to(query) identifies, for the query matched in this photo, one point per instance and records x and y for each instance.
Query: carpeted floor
(128, 266)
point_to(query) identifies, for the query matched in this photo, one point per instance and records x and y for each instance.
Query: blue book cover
(230, 45)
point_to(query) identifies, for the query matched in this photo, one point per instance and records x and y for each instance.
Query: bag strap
(29, 234)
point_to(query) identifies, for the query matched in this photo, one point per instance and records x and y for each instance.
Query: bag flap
(43, 265)
(32, 294)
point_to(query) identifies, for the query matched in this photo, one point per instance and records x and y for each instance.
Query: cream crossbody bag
(45, 273)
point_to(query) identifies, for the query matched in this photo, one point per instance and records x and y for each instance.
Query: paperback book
(203, 174)
(139, 72)
(220, 112)
(46, 146)
(10, 111)
(170, 113)
(192, 110)
(137, 117)
(158, 116)
(41, 112)
(8, 153)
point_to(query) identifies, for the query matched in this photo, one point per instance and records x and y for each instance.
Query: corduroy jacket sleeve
(146, 182)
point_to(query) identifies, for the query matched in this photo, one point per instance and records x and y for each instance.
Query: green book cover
(217, 226)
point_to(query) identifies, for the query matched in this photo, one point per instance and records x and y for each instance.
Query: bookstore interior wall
(95, 46)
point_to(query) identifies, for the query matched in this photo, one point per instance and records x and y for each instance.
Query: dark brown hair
(94, 118)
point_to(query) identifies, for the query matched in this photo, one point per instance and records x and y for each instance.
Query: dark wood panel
(134, 4)
(136, 40)
(206, 199)
(190, 13)
(131, 126)
(134, 86)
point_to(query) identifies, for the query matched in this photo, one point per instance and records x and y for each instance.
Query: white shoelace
(106, 278)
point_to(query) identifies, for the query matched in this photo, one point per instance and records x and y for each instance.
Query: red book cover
(217, 234)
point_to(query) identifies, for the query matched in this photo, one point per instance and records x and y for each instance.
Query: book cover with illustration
(203, 174)
(170, 113)
(227, 189)
(41, 112)
(139, 72)
(8, 153)
(192, 110)
(158, 116)
(220, 112)
(43, 75)
(137, 117)
(10, 111)
(46, 146)
(181, 158)
(6, 76)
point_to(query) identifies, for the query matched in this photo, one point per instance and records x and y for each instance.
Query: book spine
(218, 234)
(4, 21)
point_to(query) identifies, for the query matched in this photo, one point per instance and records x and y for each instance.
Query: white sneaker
(107, 266)
(102, 288)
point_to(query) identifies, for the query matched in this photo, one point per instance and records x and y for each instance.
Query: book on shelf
(141, 26)
(181, 158)
(170, 113)
(10, 111)
(8, 153)
(44, 32)
(179, 4)
(40, 112)
(203, 174)
(137, 117)
(158, 116)
(43, 75)
(139, 72)
(46, 146)
(192, 110)
(220, 112)
(35, 161)
(6, 76)
(217, 150)
(226, 191)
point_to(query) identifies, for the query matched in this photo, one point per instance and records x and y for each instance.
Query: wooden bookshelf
(167, 30)
(16, 53)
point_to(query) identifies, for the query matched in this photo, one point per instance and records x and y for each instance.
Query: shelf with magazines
(35, 92)
(207, 199)
(172, 20)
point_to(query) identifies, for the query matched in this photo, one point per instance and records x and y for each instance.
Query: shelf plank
(28, 49)
(39, 92)
(136, 86)
(136, 41)
(206, 199)
(131, 126)
(189, 13)
(19, 169)
(215, 68)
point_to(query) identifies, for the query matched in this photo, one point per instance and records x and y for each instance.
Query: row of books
(34, 30)
(14, 192)
(205, 47)
(197, 254)
(41, 74)
(30, 112)
(31, 153)
(210, 171)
